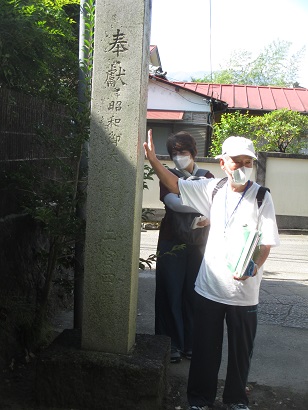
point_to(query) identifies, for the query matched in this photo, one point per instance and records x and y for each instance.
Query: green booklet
(240, 248)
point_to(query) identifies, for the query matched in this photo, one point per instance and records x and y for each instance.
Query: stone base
(69, 377)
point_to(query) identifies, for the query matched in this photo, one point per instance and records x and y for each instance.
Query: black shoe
(187, 354)
(175, 356)
(238, 406)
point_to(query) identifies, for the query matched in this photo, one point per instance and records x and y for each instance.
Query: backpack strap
(219, 185)
(260, 194)
(201, 172)
(175, 172)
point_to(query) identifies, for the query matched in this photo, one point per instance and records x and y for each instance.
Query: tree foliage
(39, 56)
(278, 131)
(281, 131)
(230, 124)
(39, 47)
(273, 66)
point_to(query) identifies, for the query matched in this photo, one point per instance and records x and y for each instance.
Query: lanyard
(235, 209)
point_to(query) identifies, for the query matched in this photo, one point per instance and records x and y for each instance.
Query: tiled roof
(164, 115)
(250, 97)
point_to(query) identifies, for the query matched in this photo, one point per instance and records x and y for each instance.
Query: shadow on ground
(17, 387)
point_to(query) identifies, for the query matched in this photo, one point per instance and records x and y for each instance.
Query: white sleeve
(195, 193)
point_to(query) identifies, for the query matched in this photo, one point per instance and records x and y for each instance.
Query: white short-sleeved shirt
(228, 215)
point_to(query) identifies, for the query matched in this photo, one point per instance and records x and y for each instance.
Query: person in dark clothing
(177, 266)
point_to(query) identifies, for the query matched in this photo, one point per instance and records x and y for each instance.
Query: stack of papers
(240, 249)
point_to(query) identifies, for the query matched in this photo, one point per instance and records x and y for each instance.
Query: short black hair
(181, 141)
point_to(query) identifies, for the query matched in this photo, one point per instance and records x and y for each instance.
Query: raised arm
(167, 178)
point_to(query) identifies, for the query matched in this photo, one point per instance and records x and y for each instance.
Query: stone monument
(114, 200)
(108, 366)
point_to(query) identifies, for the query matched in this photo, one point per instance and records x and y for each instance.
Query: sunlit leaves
(278, 131)
(39, 47)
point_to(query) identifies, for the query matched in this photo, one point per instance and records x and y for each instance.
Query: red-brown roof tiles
(252, 97)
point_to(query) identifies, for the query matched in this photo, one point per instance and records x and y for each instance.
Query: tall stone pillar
(116, 158)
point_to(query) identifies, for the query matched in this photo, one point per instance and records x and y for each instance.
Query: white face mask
(241, 175)
(182, 161)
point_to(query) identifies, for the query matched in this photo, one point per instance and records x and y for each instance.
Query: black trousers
(209, 320)
(176, 272)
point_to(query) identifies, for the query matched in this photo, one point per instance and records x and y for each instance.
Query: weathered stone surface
(70, 377)
(115, 178)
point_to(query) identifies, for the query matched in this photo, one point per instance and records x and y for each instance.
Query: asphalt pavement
(280, 356)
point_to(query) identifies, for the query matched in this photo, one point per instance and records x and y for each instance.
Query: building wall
(287, 178)
(196, 120)
(163, 96)
(284, 174)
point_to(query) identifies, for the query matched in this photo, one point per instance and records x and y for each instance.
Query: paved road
(280, 356)
(281, 346)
